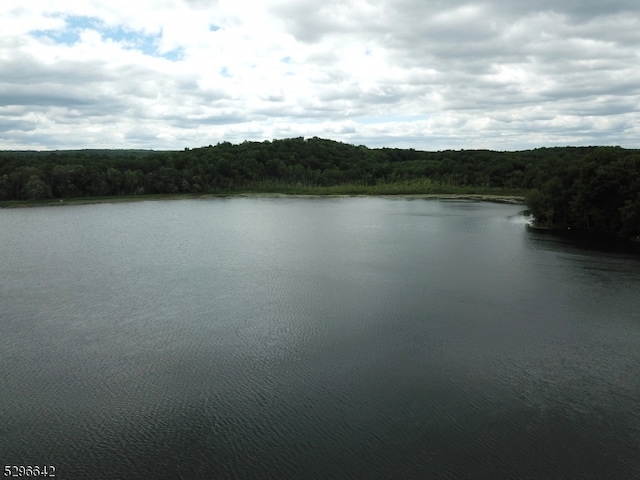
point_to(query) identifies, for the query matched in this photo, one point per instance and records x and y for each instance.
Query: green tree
(37, 189)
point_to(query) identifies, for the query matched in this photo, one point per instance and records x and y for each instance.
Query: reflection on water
(315, 338)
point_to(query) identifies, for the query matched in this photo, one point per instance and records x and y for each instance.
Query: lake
(372, 338)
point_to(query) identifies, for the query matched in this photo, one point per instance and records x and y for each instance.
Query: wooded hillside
(594, 188)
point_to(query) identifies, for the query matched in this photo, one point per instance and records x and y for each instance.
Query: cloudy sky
(426, 74)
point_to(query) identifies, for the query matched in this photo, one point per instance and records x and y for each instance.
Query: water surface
(314, 338)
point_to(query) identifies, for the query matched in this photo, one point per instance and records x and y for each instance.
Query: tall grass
(409, 187)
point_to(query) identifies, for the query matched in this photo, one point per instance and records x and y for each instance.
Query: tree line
(594, 188)
(600, 192)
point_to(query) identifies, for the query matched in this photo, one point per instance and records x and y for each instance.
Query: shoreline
(590, 236)
(510, 199)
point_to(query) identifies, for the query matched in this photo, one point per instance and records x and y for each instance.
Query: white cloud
(411, 73)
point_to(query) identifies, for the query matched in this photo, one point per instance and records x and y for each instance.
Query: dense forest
(590, 188)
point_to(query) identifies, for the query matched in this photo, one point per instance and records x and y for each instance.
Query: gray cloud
(414, 73)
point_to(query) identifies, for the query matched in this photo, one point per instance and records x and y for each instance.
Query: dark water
(314, 338)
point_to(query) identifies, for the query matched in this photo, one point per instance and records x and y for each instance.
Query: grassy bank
(407, 189)
(399, 188)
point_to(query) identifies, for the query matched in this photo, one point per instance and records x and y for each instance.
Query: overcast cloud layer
(427, 74)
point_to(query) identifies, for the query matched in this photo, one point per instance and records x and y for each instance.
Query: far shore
(511, 199)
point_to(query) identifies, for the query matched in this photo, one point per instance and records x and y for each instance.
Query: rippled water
(314, 338)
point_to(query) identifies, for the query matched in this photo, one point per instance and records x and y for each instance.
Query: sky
(424, 74)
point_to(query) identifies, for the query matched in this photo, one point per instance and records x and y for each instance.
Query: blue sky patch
(71, 34)
(64, 37)
(129, 39)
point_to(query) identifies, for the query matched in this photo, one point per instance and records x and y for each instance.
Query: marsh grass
(398, 188)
